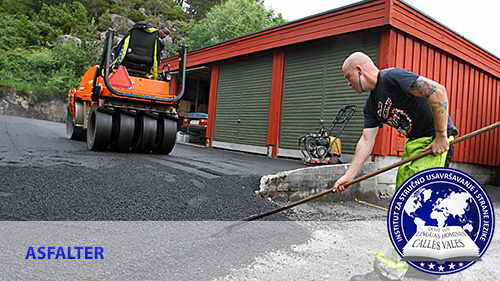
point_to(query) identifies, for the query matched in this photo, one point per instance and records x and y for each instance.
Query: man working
(418, 108)
(162, 34)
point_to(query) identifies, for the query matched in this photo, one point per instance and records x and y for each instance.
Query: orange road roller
(124, 104)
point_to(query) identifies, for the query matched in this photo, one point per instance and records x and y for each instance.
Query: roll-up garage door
(315, 89)
(243, 99)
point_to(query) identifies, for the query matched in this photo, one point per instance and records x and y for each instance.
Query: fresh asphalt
(45, 176)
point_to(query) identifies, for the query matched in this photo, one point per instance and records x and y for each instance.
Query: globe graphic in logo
(448, 202)
(442, 205)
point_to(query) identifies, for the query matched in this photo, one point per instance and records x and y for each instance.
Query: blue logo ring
(441, 197)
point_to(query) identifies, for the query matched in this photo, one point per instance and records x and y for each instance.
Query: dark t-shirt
(391, 103)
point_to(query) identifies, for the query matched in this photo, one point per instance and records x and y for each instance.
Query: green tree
(96, 7)
(199, 8)
(22, 7)
(167, 9)
(123, 6)
(104, 21)
(18, 31)
(231, 19)
(72, 18)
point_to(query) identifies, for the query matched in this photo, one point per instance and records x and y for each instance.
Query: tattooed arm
(438, 101)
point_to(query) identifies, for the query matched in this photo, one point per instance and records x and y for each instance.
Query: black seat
(139, 57)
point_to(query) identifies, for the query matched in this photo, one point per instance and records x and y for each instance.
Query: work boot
(371, 276)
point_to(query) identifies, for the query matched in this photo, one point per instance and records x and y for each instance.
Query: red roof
(360, 16)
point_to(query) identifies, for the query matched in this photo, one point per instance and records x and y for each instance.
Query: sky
(476, 20)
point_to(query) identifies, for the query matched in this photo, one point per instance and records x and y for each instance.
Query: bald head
(357, 58)
(360, 72)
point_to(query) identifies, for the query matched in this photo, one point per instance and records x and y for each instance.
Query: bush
(73, 16)
(105, 21)
(136, 15)
(20, 32)
(47, 73)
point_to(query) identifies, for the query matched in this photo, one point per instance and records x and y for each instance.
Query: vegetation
(230, 19)
(47, 45)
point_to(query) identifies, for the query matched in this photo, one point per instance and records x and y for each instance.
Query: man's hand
(440, 145)
(363, 150)
(339, 185)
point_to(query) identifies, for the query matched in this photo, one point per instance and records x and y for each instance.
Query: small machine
(325, 147)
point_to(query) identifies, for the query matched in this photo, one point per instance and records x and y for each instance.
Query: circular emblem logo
(441, 221)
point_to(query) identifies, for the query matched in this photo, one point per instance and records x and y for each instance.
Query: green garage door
(243, 99)
(315, 89)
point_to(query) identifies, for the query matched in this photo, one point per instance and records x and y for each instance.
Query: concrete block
(290, 186)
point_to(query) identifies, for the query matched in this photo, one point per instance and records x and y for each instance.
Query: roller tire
(165, 136)
(79, 113)
(99, 129)
(123, 132)
(72, 131)
(144, 134)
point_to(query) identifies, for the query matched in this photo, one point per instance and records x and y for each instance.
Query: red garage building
(264, 90)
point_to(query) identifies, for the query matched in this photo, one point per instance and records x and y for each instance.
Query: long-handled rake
(385, 169)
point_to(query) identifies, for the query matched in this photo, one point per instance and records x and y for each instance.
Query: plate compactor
(124, 103)
(325, 147)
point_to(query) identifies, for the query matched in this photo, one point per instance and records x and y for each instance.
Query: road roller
(125, 103)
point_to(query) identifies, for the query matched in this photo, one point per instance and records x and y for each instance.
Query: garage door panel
(243, 99)
(315, 89)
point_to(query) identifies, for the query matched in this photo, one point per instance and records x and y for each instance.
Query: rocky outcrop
(66, 38)
(121, 24)
(25, 106)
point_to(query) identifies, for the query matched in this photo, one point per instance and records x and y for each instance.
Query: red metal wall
(352, 18)
(473, 94)
(410, 40)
